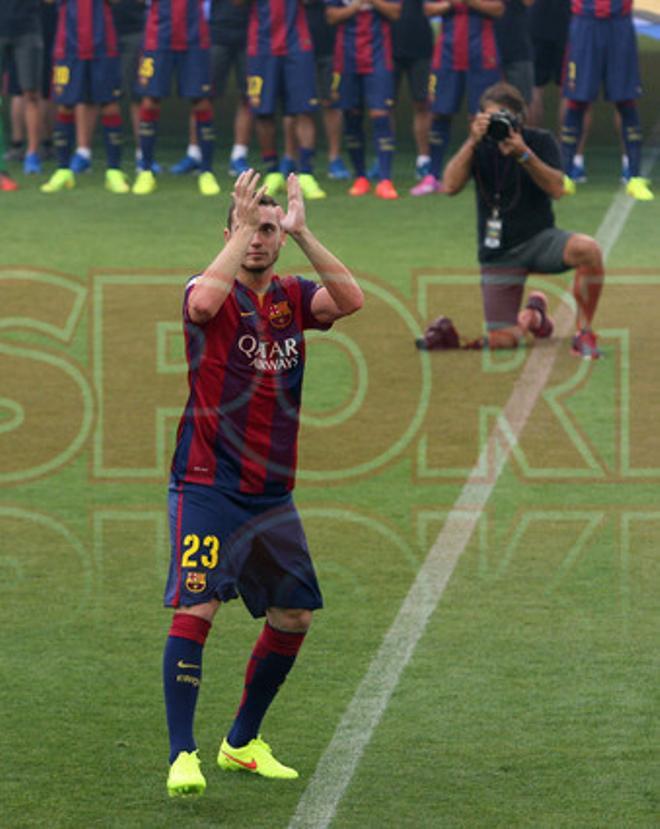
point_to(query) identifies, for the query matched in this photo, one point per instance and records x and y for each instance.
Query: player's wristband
(524, 158)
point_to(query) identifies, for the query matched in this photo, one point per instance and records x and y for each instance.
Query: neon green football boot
(62, 179)
(256, 758)
(144, 184)
(310, 187)
(185, 777)
(115, 182)
(274, 182)
(208, 184)
(638, 188)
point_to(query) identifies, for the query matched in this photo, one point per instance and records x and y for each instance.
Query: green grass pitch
(530, 699)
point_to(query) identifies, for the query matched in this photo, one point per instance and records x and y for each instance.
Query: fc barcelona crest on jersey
(280, 314)
(196, 582)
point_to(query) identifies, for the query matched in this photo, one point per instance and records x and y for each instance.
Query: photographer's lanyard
(493, 231)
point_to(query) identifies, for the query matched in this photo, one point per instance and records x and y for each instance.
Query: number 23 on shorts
(200, 551)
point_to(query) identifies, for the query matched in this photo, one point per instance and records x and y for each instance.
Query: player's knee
(295, 620)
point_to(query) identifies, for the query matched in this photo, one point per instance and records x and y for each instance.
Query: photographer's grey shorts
(503, 280)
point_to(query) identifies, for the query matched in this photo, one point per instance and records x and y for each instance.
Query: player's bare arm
(215, 284)
(335, 15)
(392, 11)
(459, 168)
(546, 177)
(340, 294)
(493, 8)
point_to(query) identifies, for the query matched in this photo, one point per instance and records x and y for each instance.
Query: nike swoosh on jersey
(183, 665)
(251, 765)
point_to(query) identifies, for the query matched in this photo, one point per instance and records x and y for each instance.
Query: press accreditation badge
(493, 237)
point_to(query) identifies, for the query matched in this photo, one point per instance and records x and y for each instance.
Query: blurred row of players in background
(65, 62)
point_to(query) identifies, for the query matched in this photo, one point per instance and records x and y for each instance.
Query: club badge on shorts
(196, 582)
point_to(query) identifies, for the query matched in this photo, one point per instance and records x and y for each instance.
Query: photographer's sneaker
(538, 302)
(584, 345)
(185, 778)
(638, 188)
(255, 758)
(427, 186)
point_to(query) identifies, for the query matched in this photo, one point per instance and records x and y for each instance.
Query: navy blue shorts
(192, 68)
(447, 88)
(285, 78)
(602, 52)
(372, 91)
(225, 544)
(95, 81)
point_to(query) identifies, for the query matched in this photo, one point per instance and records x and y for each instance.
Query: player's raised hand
(294, 221)
(246, 195)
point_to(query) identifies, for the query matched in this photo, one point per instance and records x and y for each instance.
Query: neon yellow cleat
(115, 182)
(185, 777)
(62, 179)
(638, 188)
(274, 183)
(569, 186)
(256, 757)
(310, 187)
(145, 183)
(208, 184)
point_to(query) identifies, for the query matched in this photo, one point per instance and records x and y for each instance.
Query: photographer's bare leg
(584, 254)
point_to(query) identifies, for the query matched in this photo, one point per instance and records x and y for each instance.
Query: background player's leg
(112, 134)
(64, 135)
(203, 111)
(271, 660)
(6, 182)
(631, 135)
(571, 132)
(149, 118)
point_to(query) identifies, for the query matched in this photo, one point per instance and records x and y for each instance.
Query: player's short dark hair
(506, 96)
(266, 200)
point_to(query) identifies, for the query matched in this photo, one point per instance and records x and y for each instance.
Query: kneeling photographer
(517, 172)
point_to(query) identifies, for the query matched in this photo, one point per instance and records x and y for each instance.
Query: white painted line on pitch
(335, 769)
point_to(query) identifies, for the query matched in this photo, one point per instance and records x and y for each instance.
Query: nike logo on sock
(247, 313)
(183, 665)
(251, 765)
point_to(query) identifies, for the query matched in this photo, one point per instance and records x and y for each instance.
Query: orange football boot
(385, 190)
(360, 187)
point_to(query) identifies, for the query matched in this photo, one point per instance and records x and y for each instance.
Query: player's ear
(227, 234)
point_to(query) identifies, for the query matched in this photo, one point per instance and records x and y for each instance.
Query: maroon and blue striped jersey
(363, 42)
(239, 430)
(85, 30)
(602, 9)
(177, 25)
(278, 27)
(466, 41)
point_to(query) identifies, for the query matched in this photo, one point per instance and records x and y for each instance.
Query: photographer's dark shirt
(525, 209)
(19, 17)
